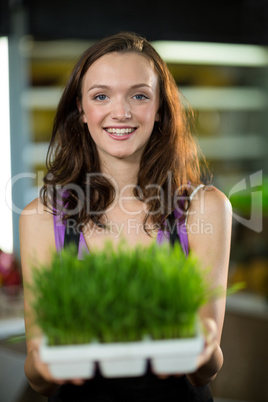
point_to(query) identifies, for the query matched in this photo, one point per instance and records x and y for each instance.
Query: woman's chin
(126, 155)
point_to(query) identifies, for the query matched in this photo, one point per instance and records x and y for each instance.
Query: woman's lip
(120, 137)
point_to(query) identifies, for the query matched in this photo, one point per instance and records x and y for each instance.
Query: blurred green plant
(120, 294)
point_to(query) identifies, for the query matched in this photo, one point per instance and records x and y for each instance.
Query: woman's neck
(123, 175)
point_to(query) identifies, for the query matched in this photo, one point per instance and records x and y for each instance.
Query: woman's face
(120, 101)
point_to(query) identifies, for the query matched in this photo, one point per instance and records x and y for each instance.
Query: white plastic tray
(122, 359)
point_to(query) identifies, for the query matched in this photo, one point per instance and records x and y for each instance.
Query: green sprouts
(119, 294)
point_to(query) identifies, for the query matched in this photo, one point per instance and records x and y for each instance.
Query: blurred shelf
(35, 153)
(222, 54)
(11, 327)
(193, 53)
(248, 304)
(232, 98)
(11, 311)
(53, 50)
(237, 147)
(41, 98)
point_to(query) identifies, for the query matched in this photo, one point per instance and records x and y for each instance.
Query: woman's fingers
(77, 382)
(165, 376)
(46, 374)
(210, 331)
(162, 376)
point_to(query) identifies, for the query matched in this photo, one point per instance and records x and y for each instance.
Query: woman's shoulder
(209, 200)
(36, 209)
(36, 220)
(210, 218)
(36, 230)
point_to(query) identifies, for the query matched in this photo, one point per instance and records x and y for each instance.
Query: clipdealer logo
(253, 183)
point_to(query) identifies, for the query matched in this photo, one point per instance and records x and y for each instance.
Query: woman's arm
(209, 231)
(36, 244)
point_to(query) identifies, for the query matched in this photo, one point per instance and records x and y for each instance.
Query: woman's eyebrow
(140, 85)
(99, 86)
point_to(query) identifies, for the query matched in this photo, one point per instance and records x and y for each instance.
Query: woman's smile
(120, 133)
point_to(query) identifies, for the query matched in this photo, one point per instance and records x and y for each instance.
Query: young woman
(121, 159)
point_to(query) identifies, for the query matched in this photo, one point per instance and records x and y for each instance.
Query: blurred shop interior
(218, 55)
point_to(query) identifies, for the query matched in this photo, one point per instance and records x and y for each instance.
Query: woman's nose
(121, 110)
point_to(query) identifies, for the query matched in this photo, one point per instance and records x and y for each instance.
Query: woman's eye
(100, 97)
(140, 97)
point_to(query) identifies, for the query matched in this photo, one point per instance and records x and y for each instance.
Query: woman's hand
(210, 332)
(43, 369)
(39, 374)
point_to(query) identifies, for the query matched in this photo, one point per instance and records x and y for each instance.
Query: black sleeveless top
(146, 388)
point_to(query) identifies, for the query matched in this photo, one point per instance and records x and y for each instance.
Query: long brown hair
(170, 159)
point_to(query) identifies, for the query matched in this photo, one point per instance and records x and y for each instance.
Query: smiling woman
(122, 155)
(121, 83)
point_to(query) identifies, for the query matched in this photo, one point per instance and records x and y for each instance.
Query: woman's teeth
(120, 131)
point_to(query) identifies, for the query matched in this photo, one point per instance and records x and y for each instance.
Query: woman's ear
(157, 117)
(79, 107)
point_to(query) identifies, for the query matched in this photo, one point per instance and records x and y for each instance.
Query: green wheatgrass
(120, 294)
